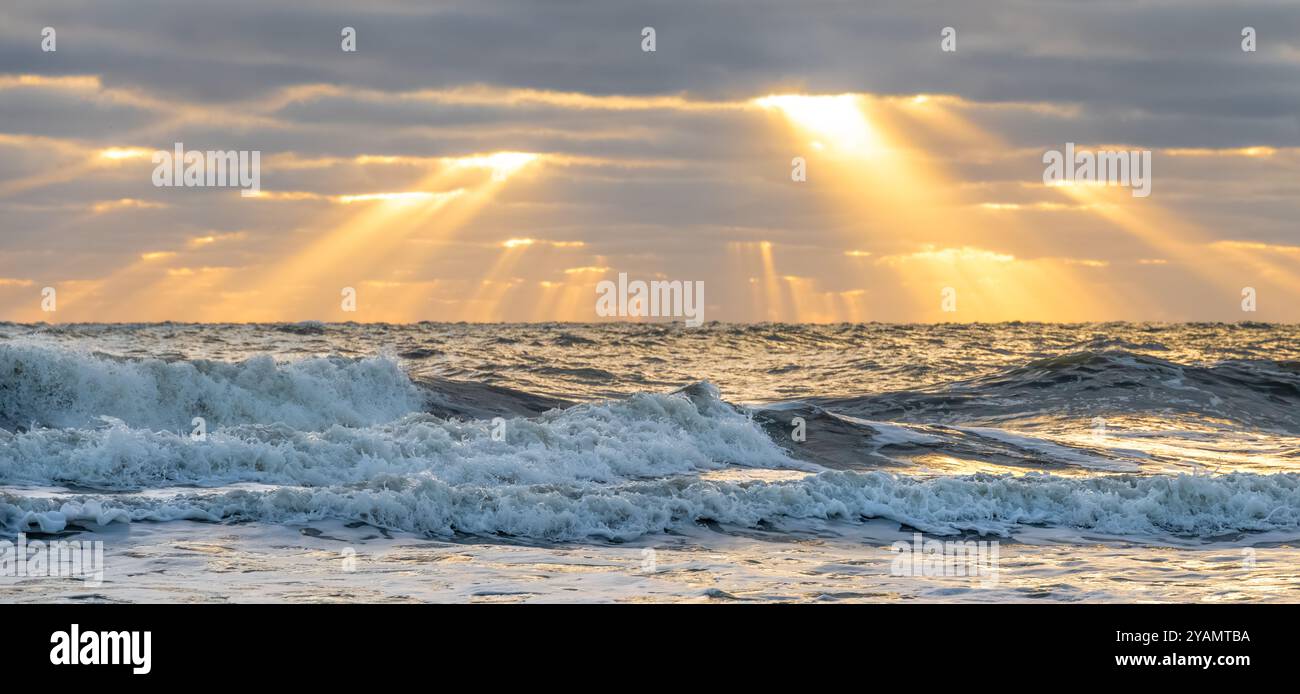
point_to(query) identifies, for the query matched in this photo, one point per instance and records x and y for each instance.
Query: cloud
(662, 164)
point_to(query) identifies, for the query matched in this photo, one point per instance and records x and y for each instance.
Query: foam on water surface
(95, 434)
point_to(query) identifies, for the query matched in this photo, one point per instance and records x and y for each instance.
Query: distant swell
(1254, 392)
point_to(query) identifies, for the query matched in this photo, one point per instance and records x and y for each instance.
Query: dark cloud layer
(1162, 57)
(682, 163)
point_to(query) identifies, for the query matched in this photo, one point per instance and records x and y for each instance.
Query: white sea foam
(347, 440)
(1166, 505)
(644, 436)
(62, 388)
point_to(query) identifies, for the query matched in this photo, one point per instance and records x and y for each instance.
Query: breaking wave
(1181, 505)
(49, 387)
(360, 440)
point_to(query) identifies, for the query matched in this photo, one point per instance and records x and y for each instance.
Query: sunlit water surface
(623, 462)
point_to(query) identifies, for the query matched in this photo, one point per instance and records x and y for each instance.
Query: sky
(485, 160)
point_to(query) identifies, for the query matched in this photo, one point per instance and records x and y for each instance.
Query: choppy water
(1087, 439)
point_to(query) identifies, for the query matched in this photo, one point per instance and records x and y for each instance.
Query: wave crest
(1182, 505)
(60, 388)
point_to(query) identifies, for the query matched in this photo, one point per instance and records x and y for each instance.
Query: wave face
(1263, 393)
(56, 388)
(510, 431)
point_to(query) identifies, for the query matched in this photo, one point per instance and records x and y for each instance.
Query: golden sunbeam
(375, 235)
(495, 282)
(889, 184)
(837, 121)
(1145, 220)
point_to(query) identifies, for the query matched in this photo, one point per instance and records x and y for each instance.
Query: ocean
(624, 462)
